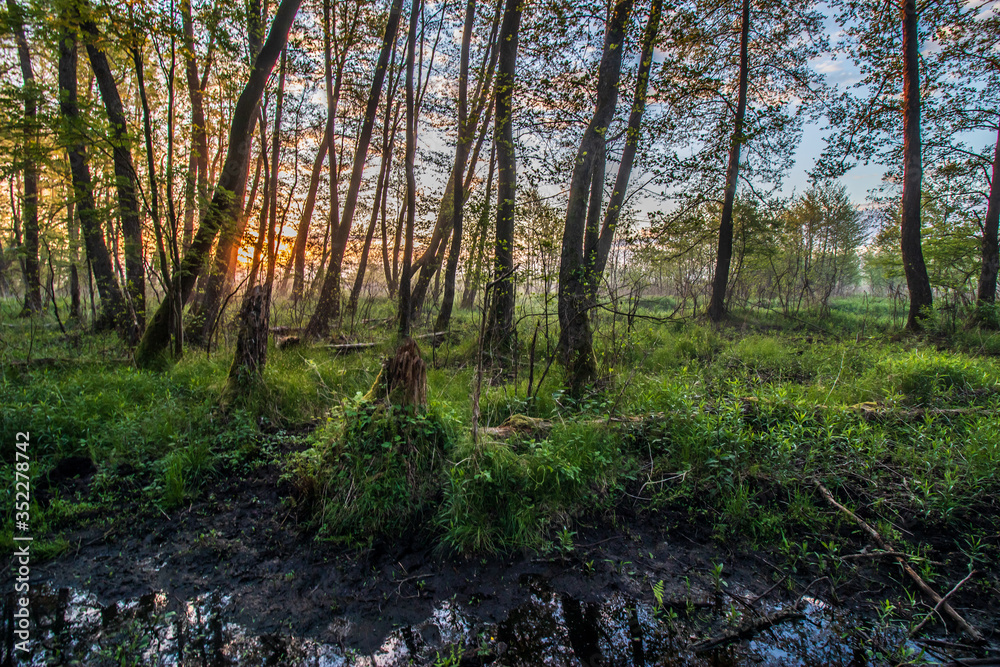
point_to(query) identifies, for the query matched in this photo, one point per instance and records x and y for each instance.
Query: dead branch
(937, 607)
(747, 631)
(921, 584)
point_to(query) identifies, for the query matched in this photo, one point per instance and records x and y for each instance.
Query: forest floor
(674, 517)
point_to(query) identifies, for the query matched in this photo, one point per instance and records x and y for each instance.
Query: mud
(235, 578)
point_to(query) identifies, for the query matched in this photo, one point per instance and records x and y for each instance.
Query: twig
(399, 588)
(768, 591)
(747, 631)
(944, 644)
(921, 584)
(875, 554)
(943, 601)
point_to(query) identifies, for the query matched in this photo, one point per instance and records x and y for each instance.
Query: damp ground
(235, 578)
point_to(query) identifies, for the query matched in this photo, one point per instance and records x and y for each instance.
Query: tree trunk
(474, 277)
(617, 200)
(128, 202)
(917, 281)
(987, 293)
(223, 209)
(389, 126)
(298, 259)
(222, 270)
(381, 186)
(154, 189)
(250, 357)
(396, 240)
(430, 261)
(405, 312)
(724, 254)
(29, 249)
(500, 327)
(461, 156)
(197, 179)
(114, 308)
(576, 279)
(329, 300)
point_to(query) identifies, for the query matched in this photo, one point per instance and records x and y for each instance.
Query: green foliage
(504, 495)
(374, 471)
(925, 376)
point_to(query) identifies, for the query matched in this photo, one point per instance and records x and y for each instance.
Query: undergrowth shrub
(769, 359)
(375, 471)
(506, 495)
(923, 376)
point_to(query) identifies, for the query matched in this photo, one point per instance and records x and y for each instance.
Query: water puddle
(551, 628)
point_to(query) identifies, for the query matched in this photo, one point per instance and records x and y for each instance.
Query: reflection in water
(552, 628)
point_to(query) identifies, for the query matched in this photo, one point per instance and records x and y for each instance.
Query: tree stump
(251, 343)
(403, 378)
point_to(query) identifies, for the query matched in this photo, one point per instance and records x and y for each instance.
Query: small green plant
(717, 581)
(453, 658)
(565, 544)
(658, 593)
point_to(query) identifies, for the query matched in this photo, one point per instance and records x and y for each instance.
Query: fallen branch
(943, 601)
(340, 348)
(953, 645)
(747, 631)
(875, 554)
(921, 584)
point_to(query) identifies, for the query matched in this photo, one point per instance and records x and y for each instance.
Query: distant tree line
(165, 161)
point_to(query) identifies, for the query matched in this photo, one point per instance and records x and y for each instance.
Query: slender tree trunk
(617, 200)
(329, 300)
(576, 279)
(921, 297)
(73, 231)
(29, 249)
(987, 293)
(381, 186)
(154, 188)
(430, 261)
(298, 259)
(197, 180)
(250, 357)
(474, 277)
(389, 127)
(397, 238)
(432, 258)
(222, 270)
(114, 308)
(405, 312)
(223, 209)
(724, 254)
(124, 166)
(387, 266)
(500, 326)
(461, 155)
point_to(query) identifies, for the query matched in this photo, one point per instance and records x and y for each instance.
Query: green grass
(727, 427)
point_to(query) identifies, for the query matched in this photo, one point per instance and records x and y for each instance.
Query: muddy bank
(235, 578)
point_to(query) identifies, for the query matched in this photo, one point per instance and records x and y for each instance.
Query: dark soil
(243, 537)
